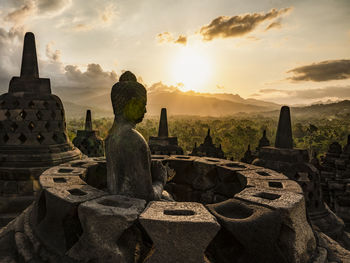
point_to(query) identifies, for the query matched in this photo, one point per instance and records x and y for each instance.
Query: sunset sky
(276, 50)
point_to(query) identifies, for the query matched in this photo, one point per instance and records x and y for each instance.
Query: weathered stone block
(298, 239)
(249, 233)
(10, 187)
(57, 210)
(279, 184)
(103, 221)
(59, 181)
(183, 165)
(177, 231)
(25, 187)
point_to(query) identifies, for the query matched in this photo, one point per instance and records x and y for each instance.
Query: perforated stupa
(33, 134)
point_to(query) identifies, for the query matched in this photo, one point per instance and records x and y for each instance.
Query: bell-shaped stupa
(88, 140)
(163, 144)
(33, 134)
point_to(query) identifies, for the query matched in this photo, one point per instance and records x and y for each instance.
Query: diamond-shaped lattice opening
(6, 138)
(40, 138)
(22, 138)
(46, 105)
(55, 137)
(62, 113)
(14, 126)
(53, 114)
(58, 105)
(16, 103)
(47, 125)
(31, 126)
(31, 104)
(39, 115)
(8, 114)
(23, 114)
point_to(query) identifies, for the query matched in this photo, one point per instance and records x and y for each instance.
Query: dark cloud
(181, 40)
(52, 5)
(341, 92)
(94, 76)
(273, 25)
(235, 26)
(322, 71)
(167, 37)
(266, 91)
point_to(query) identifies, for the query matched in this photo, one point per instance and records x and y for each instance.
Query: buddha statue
(130, 171)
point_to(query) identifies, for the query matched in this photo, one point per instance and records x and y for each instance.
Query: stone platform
(227, 196)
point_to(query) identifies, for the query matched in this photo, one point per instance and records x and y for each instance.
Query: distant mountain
(329, 110)
(239, 99)
(177, 103)
(183, 103)
(325, 110)
(205, 104)
(74, 110)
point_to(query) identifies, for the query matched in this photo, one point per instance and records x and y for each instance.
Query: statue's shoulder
(135, 136)
(126, 137)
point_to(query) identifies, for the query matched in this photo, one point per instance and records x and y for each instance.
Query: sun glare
(192, 68)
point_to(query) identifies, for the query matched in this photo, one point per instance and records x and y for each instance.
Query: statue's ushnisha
(129, 168)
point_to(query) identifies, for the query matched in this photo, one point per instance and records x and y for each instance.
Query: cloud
(82, 27)
(160, 87)
(322, 71)
(108, 13)
(181, 40)
(17, 16)
(51, 54)
(167, 37)
(52, 6)
(94, 76)
(37, 8)
(95, 15)
(10, 53)
(340, 92)
(273, 25)
(235, 26)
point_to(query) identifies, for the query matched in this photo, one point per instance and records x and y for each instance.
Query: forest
(235, 133)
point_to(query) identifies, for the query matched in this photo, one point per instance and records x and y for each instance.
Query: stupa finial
(29, 66)
(284, 137)
(163, 124)
(88, 122)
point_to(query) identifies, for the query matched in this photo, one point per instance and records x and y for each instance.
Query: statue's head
(129, 98)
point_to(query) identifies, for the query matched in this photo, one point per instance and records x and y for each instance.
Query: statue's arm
(155, 170)
(138, 151)
(159, 178)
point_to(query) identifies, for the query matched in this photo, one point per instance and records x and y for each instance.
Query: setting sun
(192, 68)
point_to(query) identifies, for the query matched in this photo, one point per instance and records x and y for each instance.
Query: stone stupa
(294, 163)
(33, 134)
(163, 144)
(88, 141)
(208, 148)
